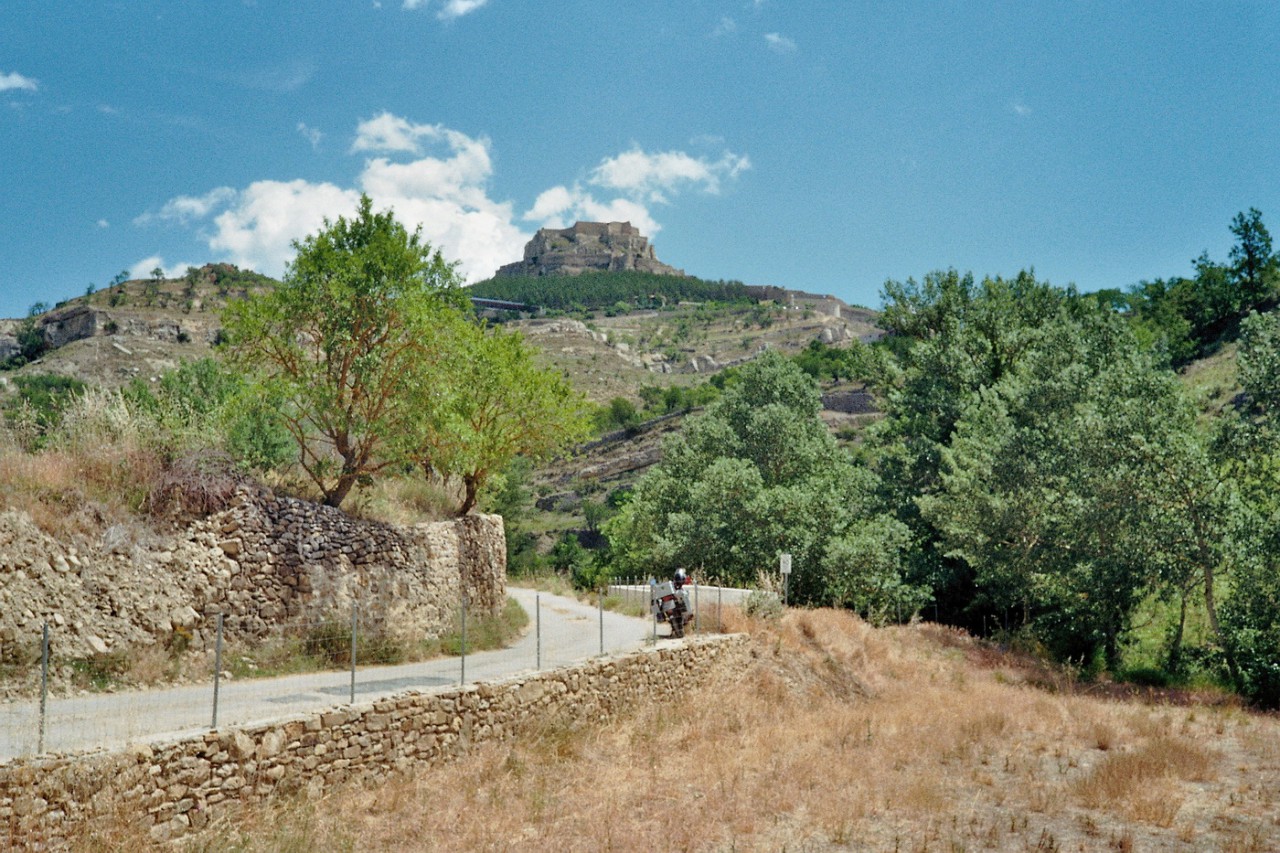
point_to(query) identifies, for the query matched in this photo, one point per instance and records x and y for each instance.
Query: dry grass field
(841, 737)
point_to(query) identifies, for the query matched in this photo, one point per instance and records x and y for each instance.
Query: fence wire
(94, 703)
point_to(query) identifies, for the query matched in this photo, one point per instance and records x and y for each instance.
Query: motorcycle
(670, 603)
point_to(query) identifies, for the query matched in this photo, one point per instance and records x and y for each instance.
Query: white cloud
(1020, 108)
(185, 208)
(449, 9)
(258, 227)
(560, 207)
(779, 43)
(655, 177)
(144, 267)
(15, 81)
(102, 223)
(726, 27)
(391, 133)
(643, 179)
(444, 190)
(311, 134)
(458, 8)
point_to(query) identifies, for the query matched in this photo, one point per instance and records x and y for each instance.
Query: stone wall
(174, 787)
(263, 561)
(303, 561)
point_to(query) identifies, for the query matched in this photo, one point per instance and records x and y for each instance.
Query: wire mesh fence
(63, 703)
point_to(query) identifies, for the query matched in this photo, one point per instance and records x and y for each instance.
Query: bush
(40, 402)
(762, 604)
(197, 484)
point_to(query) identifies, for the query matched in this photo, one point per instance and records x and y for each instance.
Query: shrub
(762, 604)
(40, 402)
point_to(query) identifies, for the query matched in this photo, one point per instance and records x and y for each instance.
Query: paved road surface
(570, 632)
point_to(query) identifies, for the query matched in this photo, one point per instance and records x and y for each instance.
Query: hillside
(135, 329)
(840, 737)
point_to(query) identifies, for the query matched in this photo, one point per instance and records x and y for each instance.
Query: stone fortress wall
(587, 247)
(174, 787)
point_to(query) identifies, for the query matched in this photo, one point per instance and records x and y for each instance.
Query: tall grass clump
(175, 448)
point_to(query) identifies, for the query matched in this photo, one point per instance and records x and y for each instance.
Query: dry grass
(840, 737)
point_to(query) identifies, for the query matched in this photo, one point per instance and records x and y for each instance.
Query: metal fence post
(463, 674)
(44, 682)
(600, 604)
(537, 626)
(719, 609)
(217, 672)
(355, 611)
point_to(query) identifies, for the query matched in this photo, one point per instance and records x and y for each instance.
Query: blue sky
(824, 146)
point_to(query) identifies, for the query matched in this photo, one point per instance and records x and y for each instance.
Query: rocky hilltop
(587, 247)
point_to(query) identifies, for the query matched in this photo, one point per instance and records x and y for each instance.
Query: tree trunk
(1173, 662)
(471, 485)
(335, 496)
(1212, 610)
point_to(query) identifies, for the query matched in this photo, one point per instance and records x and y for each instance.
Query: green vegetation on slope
(605, 290)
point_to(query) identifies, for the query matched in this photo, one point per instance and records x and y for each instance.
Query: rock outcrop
(587, 247)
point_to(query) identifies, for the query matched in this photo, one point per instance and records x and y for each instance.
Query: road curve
(570, 632)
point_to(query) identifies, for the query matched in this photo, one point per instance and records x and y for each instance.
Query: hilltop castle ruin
(587, 247)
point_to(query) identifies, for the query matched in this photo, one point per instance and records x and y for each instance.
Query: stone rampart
(174, 787)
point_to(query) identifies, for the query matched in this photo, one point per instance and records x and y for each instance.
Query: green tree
(1075, 485)
(756, 475)
(1249, 446)
(953, 337)
(345, 343)
(489, 403)
(1253, 264)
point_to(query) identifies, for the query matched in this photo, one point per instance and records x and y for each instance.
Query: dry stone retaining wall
(173, 788)
(264, 560)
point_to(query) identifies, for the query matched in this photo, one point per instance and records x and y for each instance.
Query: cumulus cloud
(656, 177)
(15, 81)
(260, 222)
(438, 178)
(779, 43)
(391, 133)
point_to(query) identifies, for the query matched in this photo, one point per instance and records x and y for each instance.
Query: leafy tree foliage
(1073, 487)
(1255, 267)
(1188, 317)
(488, 403)
(344, 342)
(204, 402)
(855, 362)
(1249, 444)
(954, 336)
(757, 475)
